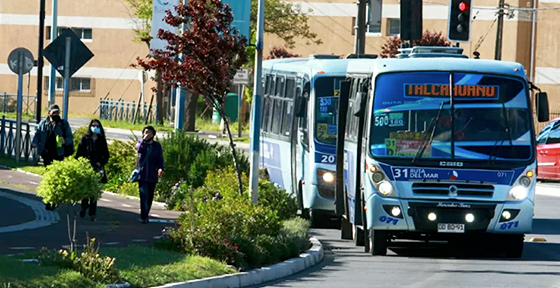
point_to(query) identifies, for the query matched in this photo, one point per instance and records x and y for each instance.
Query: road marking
(161, 221)
(537, 240)
(34, 183)
(105, 200)
(157, 237)
(139, 240)
(43, 217)
(30, 260)
(22, 248)
(126, 205)
(111, 243)
(68, 246)
(155, 215)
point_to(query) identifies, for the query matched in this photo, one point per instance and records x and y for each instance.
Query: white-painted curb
(258, 276)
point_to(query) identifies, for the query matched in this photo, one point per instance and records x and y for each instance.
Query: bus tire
(378, 242)
(345, 228)
(514, 246)
(358, 235)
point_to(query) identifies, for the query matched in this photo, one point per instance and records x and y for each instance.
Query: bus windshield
(412, 117)
(327, 90)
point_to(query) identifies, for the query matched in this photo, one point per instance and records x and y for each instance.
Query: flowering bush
(430, 38)
(69, 181)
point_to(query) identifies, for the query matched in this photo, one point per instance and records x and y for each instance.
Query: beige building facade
(105, 27)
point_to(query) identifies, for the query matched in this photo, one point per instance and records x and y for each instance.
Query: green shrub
(122, 161)
(189, 158)
(69, 181)
(78, 134)
(270, 195)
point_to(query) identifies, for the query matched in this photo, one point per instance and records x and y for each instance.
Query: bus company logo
(453, 191)
(450, 164)
(453, 175)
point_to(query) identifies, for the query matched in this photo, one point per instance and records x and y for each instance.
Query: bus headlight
(519, 193)
(385, 188)
(325, 176)
(328, 177)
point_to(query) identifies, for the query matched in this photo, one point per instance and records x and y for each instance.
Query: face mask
(55, 118)
(96, 130)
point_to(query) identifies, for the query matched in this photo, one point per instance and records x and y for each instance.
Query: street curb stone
(259, 276)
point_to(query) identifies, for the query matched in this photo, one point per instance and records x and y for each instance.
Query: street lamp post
(40, 61)
(256, 113)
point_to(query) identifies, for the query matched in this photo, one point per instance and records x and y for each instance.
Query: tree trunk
(190, 112)
(233, 151)
(159, 99)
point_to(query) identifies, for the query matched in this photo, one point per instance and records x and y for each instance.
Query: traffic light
(459, 28)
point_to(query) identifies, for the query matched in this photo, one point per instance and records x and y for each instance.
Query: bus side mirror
(541, 103)
(358, 104)
(299, 106)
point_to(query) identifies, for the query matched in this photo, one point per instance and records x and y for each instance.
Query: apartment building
(333, 21)
(105, 27)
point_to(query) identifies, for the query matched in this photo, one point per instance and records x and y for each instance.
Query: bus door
(302, 135)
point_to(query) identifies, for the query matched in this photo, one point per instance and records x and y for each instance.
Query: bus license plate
(451, 228)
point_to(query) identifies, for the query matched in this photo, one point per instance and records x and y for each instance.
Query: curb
(259, 276)
(110, 193)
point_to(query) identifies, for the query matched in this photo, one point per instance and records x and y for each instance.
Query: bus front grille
(453, 189)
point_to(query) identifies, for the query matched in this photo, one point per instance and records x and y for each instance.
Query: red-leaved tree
(429, 38)
(280, 52)
(213, 52)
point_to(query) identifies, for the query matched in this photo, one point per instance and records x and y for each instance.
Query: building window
(77, 84)
(83, 33)
(374, 8)
(393, 26)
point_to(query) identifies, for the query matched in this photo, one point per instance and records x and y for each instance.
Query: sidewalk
(25, 225)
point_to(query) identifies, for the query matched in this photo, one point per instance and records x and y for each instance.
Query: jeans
(91, 204)
(146, 198)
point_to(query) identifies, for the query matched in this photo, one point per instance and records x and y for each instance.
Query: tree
(213, 52)
(429, 38)
(280, 52)
(142, 10)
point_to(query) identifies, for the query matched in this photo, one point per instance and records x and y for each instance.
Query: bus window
(288, 106)
(303, 120)
(278, 105)
(326, 108)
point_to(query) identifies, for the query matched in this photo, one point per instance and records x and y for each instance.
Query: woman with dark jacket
(93, 146)
(150, 163)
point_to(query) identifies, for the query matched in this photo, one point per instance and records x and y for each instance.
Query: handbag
(135, 175)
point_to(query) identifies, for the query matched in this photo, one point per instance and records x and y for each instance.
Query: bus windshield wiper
(432, 125)
(505, 130)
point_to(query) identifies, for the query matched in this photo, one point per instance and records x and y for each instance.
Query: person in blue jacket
(53, 139)
(150, 154)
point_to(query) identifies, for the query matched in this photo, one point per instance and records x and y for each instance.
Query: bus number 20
(327, 158)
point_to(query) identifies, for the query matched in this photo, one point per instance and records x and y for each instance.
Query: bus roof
(436, 64)
(311, 65)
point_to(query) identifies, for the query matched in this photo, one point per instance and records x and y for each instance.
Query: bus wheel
(514, 246)
(378, 242)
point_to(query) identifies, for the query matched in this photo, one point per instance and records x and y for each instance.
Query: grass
(207, 125)
(138, 265)
(25, 166)
(13, 116)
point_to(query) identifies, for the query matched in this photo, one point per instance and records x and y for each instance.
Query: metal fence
(8, 140)
(118, 110)
(8, 104)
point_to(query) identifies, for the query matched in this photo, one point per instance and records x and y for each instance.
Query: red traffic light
(463, 6)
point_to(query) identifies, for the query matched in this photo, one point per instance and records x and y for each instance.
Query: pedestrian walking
(93, 146)
(150, 166)
(53, 139)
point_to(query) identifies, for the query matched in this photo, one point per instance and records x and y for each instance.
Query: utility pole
(500, 31)
(40, 61)
(54, 34)
(360, 28)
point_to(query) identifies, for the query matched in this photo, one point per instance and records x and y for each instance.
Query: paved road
(346, 265)
(26, 225)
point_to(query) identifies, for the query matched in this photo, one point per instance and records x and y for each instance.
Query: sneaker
(82, 213)
(145, 221)
(93, 218)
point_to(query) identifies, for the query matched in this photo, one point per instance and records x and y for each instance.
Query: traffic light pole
(500, 31)
(360, 28)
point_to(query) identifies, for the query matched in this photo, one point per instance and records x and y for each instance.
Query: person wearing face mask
(93, 146)
(150, 158)
(52, 135)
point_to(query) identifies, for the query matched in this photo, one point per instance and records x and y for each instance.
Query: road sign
(242, 77)
(27, 58)
(56, 52)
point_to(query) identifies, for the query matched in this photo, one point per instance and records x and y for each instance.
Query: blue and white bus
(298, 131)
(438, 147)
